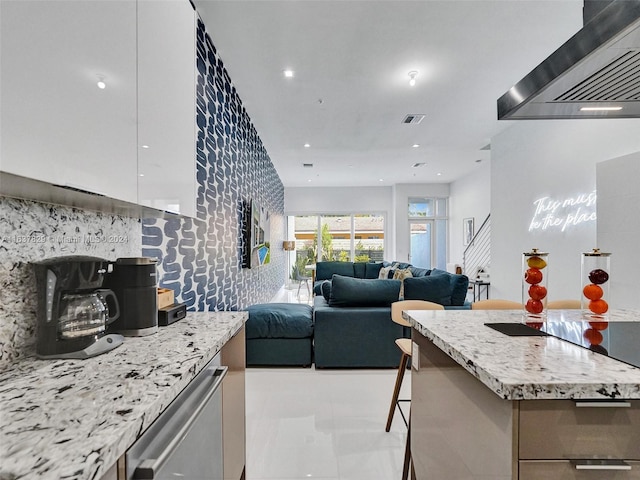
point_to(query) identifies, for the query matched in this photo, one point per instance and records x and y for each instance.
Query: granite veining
(527, 368)
(32, 231)
(73, 419)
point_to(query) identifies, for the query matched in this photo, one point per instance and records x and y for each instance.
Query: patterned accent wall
(201, 259)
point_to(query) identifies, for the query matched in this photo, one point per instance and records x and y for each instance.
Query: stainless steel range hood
(598, 68)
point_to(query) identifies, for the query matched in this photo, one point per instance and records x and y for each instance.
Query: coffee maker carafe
(73, 308)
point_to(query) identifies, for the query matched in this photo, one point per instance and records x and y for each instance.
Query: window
(355, 237)
(428, 227)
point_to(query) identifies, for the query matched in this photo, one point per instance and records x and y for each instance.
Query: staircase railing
(477, 255)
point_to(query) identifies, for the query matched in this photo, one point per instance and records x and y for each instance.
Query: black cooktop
(618, 340)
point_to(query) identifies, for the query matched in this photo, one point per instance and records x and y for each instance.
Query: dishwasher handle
(150, 466)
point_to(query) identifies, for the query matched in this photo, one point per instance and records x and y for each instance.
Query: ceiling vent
(307, 165)
(413, 118)
(486, 147)
(419, 164)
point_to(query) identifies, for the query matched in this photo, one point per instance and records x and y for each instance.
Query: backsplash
(31, 231)
(200, 259)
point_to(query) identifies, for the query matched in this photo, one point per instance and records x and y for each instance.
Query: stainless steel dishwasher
(185, 441)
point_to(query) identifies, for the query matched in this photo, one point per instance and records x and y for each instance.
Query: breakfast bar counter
(74, 419)
(488, 405)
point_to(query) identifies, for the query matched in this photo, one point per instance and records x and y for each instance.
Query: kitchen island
(490, 406)
(75, 419)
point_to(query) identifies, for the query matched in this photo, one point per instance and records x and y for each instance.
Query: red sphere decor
(534, 306)
(537, 292)
(533, 276)
(598, 306)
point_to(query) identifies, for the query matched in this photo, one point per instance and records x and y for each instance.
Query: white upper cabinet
(166, 105)
(57, 124)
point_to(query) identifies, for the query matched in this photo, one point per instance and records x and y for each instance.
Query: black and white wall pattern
(201, 259)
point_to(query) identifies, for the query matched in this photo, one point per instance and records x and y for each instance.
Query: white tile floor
(323, 424)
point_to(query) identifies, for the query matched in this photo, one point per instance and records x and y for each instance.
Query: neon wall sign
(554, 214)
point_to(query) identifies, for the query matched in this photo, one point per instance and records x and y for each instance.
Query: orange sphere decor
(537, 292)
(593, 291)
(599, 325)
(533, 276)
(593, 336)
(534, 306)
(598, 306)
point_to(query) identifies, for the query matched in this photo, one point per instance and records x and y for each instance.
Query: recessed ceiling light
(288, 73)
(380, 180)
(412, 77)
(600, 109)
(438, 174)
(141, 175)
(308, 180)
(306, 145)
(101, 85)
(415, 145)
(145, 146)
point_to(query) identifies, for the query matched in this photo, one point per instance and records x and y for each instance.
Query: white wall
(555, 159)
(619, 225)
(470, 197)
(392, 201)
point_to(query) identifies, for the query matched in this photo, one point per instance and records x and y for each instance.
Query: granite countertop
(532, 367)
(73, 419)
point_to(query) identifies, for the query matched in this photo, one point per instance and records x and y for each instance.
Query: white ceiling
(351, 86)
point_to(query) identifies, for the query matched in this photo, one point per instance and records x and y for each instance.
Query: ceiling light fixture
(288, 73)
(415, 145)
(101, 84)
(306, 145)
(145, 146)
(600, 109)
(438, 174)
(412, 77)
(380, 180)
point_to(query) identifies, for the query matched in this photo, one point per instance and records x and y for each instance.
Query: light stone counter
(527, 368)
(73, 419)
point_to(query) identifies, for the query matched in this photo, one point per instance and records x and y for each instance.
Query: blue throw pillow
(432, 288)
(459, 285)
(363, 292)
(324, 270)
(325, 288)
(372, 270)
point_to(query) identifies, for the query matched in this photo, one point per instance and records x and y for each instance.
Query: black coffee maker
(134, 283)
(73, 308)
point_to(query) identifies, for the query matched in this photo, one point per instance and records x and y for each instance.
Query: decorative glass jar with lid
(595, 275)
(534, 283)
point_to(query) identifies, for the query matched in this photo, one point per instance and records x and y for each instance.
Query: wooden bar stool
(562, 304)
(404, 344)
(496, 304)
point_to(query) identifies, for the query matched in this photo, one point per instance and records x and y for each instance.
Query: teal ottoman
(279, 334)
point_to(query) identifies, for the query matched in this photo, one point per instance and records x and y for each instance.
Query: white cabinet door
(166, 105)
(57, 125)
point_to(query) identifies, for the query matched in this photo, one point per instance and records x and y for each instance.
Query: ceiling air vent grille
(307, 165)
(413, 118)
(618, 81)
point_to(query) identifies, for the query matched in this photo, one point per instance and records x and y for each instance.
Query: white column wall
(554, 158)
(619, 225)
(470, 197)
